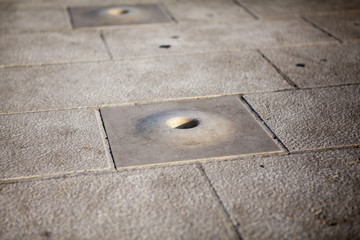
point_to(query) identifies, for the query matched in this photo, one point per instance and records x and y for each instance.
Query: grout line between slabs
(69, 17)
(55, 175)
(102, 124)
(234, 225)
(283, 75)
(105, 138)
(169, 164)
(119, 59)
(177, 99)
(106, 45)
(252, 110)
(246, 9)
(321, 29)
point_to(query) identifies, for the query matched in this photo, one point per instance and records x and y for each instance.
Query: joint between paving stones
(253, 15)
(259, 118)
(106, 45)
(234, 225)
(101, 121)
(321, 29)
(283, 75)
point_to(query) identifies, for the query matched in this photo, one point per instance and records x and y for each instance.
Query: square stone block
(118, 15)
(183, 130)
(47, 143)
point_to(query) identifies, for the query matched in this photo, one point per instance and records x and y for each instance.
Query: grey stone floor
(295, 64)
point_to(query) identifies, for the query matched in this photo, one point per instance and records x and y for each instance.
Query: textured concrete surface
(44, 143)
(143, 134)
(295, 64)
(17, 20)
(314, 118)
(345, 26)
(54, 47)
(295, 8)
(301, 196)
(254, 34)
(318, 65)
(93, 84)
(207, 11)
(161, 203)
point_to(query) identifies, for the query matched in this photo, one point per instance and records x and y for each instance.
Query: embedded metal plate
(183, 130)
(118, 15)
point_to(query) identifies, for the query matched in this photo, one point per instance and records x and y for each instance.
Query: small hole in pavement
(323, 60)
(182, 122)
(165, 46)
(262, 166)
(117, 11)
(300, 65)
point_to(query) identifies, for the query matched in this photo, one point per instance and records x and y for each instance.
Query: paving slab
(284, 8)
(208, 11)
(309, 119)
(51, 47)
(345, 26)
(93, 84)
(162, 203)
(187, 38)
(54, 142)
(318, 65)
(301, 196)
(183, 130)
(33, 20)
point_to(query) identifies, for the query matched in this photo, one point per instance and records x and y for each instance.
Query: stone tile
(187, 38)
(160, 203)
(314, 118)
(301, 196)
(318, 65)
(281, 8)
(93, 84)
(50, 142)
(116, 15)
(345, 26)
(207, 11)
(183, 130)
(33, 20)
(38, 48)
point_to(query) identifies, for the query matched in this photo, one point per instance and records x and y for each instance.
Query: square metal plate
(183, 130)
(118, 15)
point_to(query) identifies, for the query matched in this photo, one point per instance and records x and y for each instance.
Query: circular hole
(182, 122)
(117, 11)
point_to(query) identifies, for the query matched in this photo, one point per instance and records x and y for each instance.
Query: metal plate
(183, 130)
(118, 15)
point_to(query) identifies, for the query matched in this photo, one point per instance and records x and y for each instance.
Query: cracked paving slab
(74, 85)
(309, 119)
(299, 196)
(159, 203)
(318, 65)
(46, 143)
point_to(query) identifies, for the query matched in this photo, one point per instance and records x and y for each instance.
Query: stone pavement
(294, 66)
